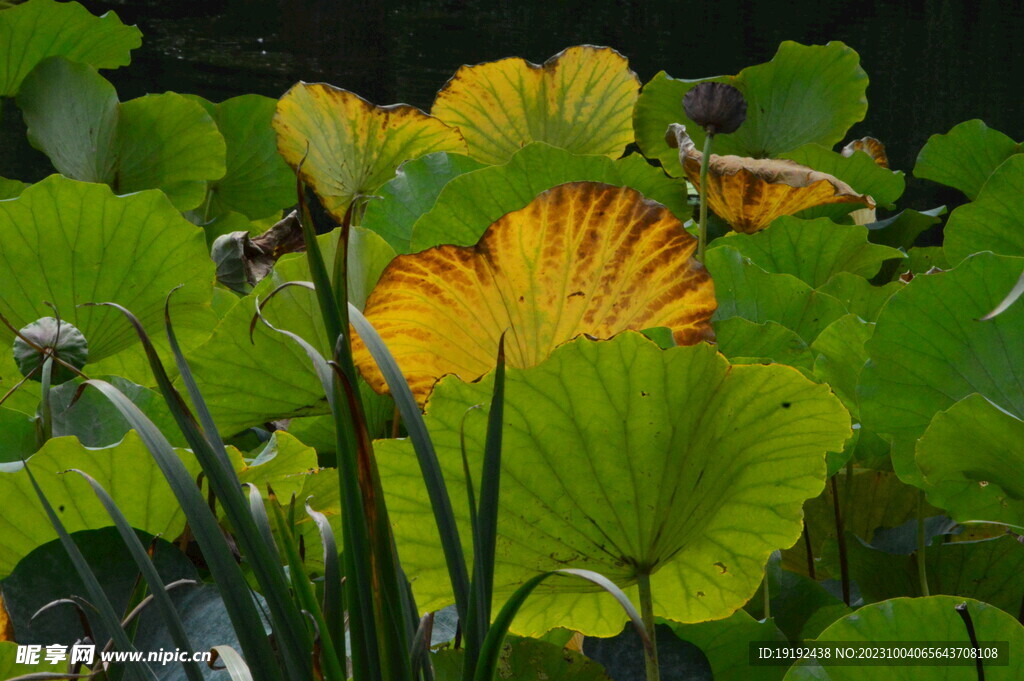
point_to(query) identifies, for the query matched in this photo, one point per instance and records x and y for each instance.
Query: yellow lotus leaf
(749, 193)
(354, 147)
(870, 146)
(581, 100)
(581, 258)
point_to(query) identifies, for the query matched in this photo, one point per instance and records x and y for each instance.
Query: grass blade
(1010, 299)
(226, 572)
(233, 663)
(333, 604)
(490, 653)
(157, 588)
(433, 478)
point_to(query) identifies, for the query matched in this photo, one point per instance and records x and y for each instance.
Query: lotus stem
(965, 615)
(844, 565)
(922, 568)
(647, 614)
(702, 238)
(766, 594)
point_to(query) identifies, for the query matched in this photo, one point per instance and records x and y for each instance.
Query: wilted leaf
(749, 193)
(871, 146)
(37, 29)
(162, 141)
(805, 94)
(582, 258)
(581, 100)
(859, 170)
(353, 146)
(965, 156)
(468, 205)
(679, 464)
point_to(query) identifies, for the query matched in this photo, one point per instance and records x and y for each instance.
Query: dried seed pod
(716, 107)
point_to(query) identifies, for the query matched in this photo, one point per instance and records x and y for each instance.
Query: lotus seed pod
(716, 107)
(69, 345)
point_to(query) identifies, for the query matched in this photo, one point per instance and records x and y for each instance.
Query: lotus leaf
(871, 146)
(412, 193)
(928, 351)
(160, 141)
(71, 242)
(525, 659)
(581, 100)
(348, 147)
(841, 356)
(965, 156)
(10, 189)
(582, 258)
(971, 460)
(749, 193)
(805, 94)
(743, 289)
(858, 294)
(37, 29)
(746, 342)
(994, 221)
(813, 250)
(726, 644)
(917, 619)
(470, 204)
(624, 458)
(859, 170)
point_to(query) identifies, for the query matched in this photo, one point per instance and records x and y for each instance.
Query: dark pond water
(932, 63)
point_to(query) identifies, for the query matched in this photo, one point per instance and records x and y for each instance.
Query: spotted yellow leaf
(353, 146)
(581, 100)
(581, 258)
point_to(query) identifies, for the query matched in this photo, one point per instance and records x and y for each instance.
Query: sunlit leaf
(11, 188)
(965, 156)
(621, 457)
(917, 619)
(805, 94)
(994, 221)
(525, 659)
(69, 242)
(745, 342)
(582, 258)
(468, 205)
(929, 351)
(34, 30)
(581, 100)
(162, 141)
(841, 356)
(350, 146)
(972, 461)
(750, 193)
(812, 250)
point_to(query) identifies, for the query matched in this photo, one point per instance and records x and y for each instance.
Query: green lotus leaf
(725, 644)
(348, 147)
(69, 242)
(965, 156)
(10, 189)
(841, 357)
(469, 204)
(972, 461)
(10, 667)
(928, 351)
(271, 371)
(581, 100)
(745, 290)
(800, 607)
(858, 294)
(412, 193)
(812, 250)
(990, 570)
(859, 170)
(747, 342)
(923, 258)
(257, 182)
(127, 471)
(902, 229)
(805, 94)
(525, 659)
(624, 458)
(918, 619)
(994, 221)
(163, 141)
(37, 29)
(19, 435)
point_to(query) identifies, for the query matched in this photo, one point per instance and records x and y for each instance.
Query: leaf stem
(844, 566)
(647, 614)
(702, 239)
(965, 615)
(922, 569)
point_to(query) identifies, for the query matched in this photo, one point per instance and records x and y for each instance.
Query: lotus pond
(573, 377)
